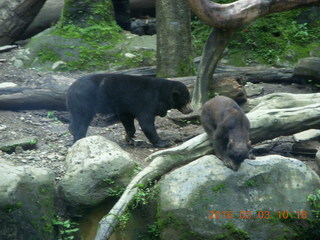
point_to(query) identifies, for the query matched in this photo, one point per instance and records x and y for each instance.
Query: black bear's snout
(186, 109)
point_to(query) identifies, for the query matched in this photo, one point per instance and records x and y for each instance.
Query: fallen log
(32, 98)
(266, 123)
(281, 101)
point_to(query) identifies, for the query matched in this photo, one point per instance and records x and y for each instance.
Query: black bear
(125, 97)
(228, 129)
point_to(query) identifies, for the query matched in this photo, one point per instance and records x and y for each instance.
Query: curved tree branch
(236, 14)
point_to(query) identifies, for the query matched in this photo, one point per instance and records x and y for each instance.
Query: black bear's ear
(175, 93)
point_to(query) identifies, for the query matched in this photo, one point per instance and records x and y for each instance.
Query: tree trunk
(265, 124)
(174, 48)
(15, 16)
(212, 52)
(83, 13)
(122, 13)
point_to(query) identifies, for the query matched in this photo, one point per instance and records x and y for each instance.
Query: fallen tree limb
(33, 98)
(270, 123)
(280, 101)
(265, 124)
(238, 13)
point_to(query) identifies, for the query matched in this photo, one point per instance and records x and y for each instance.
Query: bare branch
(236, 14)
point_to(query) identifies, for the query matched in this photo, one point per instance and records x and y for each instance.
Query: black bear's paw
(162, 144)
(133, 142)
(129, 140)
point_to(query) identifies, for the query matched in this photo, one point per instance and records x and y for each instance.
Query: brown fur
(228, 129)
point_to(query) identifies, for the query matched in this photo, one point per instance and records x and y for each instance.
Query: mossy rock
(86, 50)
(24, 143)
(308, 68)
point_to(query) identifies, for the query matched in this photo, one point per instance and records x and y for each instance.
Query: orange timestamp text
(257, 214)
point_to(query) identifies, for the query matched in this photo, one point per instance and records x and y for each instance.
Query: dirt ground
(51, 128)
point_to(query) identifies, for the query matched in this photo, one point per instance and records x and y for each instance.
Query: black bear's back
(136, 93)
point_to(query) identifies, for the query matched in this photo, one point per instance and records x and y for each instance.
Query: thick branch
(271, 123)
(236, 14)
(281, 101)
(213, 49)
(30, 99)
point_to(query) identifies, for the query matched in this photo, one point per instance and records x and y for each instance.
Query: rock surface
(219, 200)
(26, 202)
(308, 68)
(96, 168)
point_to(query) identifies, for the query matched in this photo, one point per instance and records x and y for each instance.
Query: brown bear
(228, 129)
(124, 98)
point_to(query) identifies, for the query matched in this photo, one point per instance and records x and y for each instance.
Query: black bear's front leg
(147, 125)
(127, 121)
(79, 123)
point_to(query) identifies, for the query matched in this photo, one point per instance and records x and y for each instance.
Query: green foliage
(93, 34)
(52, 115)
(123, 221)
(267, 39)
(85, 13)
(137, 169)
(92, 48)
(220, 187)
(314, 201)
(200, 33)
(145, 195)
(152, 233)
(251, 183)
(33, 141)
(232, 233)
(47, 55)
(95, 50)
(66, 228)
(114, 190)
(13, 207)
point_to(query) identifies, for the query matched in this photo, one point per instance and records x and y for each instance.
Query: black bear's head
(180, 98)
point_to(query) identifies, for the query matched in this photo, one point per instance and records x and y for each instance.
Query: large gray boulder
(96, 169)
(207, 200)
(26, 202)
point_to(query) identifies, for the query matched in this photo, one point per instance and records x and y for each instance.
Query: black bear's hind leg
(128, 122)
(147, 125)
